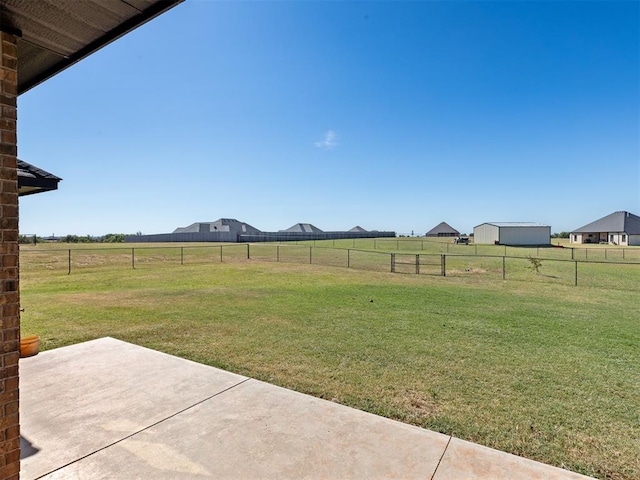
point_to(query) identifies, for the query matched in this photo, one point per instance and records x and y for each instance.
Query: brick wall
(9, 295)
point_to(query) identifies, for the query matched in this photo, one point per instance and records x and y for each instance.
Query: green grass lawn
(544, 370)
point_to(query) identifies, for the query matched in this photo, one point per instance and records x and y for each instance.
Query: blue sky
(388, 115)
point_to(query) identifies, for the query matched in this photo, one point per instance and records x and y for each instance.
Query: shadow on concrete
(26, 448)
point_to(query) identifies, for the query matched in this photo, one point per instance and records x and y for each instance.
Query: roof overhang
(53, 35)
(32, 179)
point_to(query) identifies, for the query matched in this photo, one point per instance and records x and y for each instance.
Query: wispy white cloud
(330, 141)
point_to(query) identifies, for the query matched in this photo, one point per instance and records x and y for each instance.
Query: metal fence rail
(588, 272)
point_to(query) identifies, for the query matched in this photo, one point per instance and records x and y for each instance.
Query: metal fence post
(504, 261)
(277, 253)
(310, 255)
(133, 258)
(393, 263)
(575, 283)
(248, 255)
(443, 265)
(220, 253)
(69, 272)
(181, 255)
(348, 258)
(417, 264)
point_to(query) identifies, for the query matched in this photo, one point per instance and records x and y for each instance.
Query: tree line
(108, 238)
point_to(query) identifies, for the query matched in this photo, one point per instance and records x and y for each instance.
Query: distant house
(221, 225)
(443, 230)
(618, 228)
(302, 228)
(230, 230)
(512, 233)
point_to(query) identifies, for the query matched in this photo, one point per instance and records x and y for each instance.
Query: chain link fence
(586, 271)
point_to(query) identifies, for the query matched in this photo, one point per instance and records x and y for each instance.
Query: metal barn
(512, 233)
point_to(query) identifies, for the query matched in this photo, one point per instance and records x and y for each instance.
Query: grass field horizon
(543, 370)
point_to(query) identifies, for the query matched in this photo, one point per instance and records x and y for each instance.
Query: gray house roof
(54, 35)
(220, 225)
(357, 228)
(303, 228)
(442, 228)
(623, 222)
(32, 179)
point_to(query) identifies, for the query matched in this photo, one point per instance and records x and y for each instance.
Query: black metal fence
(612, 274)
(559, 252)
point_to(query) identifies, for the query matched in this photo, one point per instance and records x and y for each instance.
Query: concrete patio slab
(257, 430)
(472, 461)
(76, 400)
(107, 409)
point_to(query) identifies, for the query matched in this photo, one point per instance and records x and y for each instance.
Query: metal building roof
(32, 179)
(514, 224)
(55, 34)
(623, 222)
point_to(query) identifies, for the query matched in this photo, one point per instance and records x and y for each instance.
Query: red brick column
(9, 294)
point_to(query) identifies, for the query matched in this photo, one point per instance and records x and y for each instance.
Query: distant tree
(27, 239)
(78, 239)
(560, 235)
(113, 238)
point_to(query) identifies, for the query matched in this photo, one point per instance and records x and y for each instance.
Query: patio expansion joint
(175, 414)
(444, 452)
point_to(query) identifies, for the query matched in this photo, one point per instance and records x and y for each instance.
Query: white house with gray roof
(618, 228)
(512, 233)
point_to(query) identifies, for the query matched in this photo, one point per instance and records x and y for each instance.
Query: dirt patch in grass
(419, 406)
